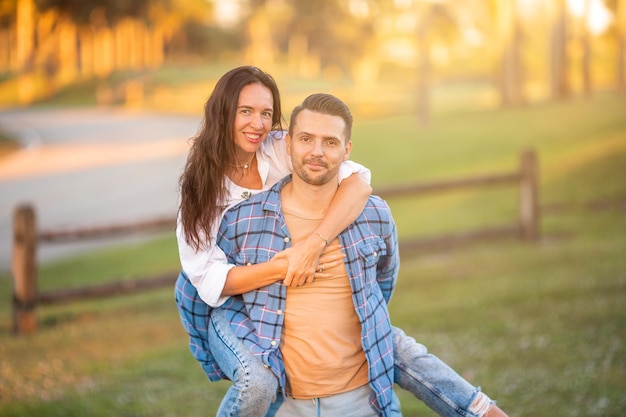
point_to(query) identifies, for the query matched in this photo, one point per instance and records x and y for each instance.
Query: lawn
(540, 326)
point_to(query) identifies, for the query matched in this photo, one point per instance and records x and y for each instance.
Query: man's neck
(305, 199)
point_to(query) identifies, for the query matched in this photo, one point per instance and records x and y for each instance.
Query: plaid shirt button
(286, 239)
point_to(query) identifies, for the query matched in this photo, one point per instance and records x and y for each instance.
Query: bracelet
(316, 233)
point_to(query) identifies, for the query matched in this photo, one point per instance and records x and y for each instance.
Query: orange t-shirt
(321, 336)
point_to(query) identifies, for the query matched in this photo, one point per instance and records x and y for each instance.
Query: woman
(238, 151)
(225, 166)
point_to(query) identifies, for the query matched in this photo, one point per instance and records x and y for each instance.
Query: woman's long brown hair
(203, 182)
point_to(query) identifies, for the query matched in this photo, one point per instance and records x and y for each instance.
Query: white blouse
(207, 268)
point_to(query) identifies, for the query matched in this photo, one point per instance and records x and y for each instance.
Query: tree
(424, 65)
(329, 30)
(585, 40)
(621, 44)
(510, 69)
(559, 80)
(81, 11)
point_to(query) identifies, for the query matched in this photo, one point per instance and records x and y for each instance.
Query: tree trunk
(25, 42)
(621, 45)
(559, 64)
(68, 56)
(86, 42)
(510, 66)
(585, 40)
(423, 68)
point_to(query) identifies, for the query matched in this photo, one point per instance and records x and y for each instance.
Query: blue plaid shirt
(254, 231)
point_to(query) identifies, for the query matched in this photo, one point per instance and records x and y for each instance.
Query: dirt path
(82, 167)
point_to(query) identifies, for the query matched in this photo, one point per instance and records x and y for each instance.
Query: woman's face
(253, 119)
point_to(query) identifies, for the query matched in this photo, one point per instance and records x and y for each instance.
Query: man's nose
(317, 148)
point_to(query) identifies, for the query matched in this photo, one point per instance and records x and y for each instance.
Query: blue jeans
(354, 403)
(432, 381)
(254, 386)
(223, 356)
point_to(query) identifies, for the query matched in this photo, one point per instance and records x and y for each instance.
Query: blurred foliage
(333, 33)
(83, 11)
(363, 41)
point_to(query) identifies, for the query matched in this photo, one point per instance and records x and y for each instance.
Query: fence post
(529, 196)
(24, 265)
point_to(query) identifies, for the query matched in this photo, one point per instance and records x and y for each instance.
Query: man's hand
(331, 257)
(302, 258)
(305, 263)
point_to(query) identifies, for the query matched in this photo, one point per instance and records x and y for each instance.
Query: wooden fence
(26, 238)
(526, 226)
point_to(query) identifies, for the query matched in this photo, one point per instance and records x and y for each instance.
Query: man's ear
(288, 143)
(346, 156)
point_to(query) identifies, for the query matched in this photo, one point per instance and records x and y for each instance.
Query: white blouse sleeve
(348, 168)
(206, 268)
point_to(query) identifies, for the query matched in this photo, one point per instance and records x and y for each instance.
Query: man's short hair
(325, 104)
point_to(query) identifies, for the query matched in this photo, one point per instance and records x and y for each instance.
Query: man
(330, 343)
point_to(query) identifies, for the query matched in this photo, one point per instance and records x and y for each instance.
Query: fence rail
(26, 238)
(96, 232)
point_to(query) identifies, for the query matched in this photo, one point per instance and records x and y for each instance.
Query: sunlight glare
(359, 8)
(576, 7)
(598, 18)
(227, 12)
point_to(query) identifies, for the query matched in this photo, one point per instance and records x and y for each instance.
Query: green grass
(541, 327)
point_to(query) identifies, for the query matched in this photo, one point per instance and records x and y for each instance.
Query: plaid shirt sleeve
(389, 263)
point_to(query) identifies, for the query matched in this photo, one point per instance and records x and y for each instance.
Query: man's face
(317, 147)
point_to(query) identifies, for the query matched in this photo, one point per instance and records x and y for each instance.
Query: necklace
(244, 165)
